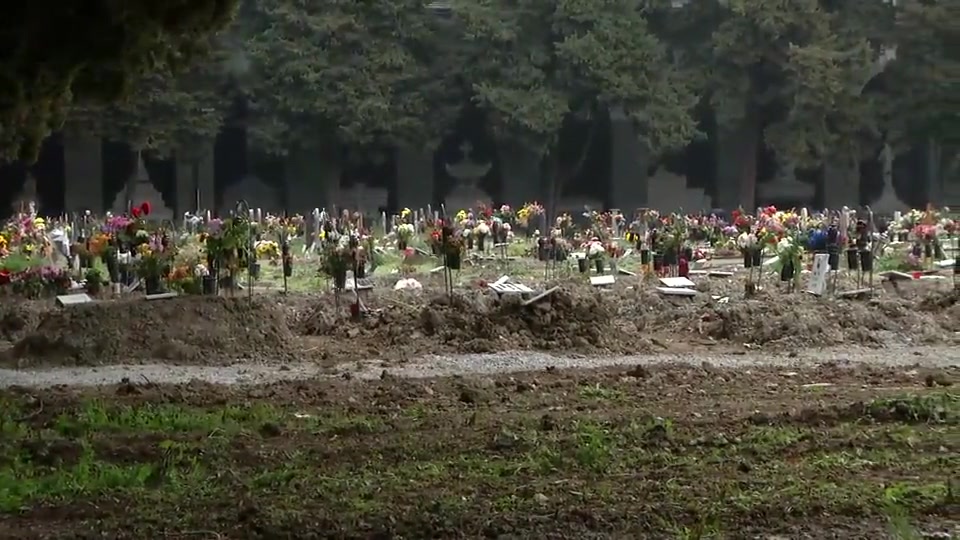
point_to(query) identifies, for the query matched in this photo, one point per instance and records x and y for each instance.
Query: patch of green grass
(446, 468)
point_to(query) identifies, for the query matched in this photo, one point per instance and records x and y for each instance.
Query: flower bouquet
(335, 260)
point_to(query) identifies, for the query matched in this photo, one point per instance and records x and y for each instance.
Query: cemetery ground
(672, 451)
(713, 416)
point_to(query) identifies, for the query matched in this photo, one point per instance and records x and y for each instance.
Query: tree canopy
(534, 63)
(821, 80)
(363, 73)
(54, 54)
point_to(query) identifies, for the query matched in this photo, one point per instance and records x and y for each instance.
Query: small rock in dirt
(547, 423)
(468, 395)
(540, 498)
(270, 429)
(938, 379)
(639, 372)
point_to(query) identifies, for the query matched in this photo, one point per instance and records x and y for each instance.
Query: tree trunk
(555, 177)
(934, 172)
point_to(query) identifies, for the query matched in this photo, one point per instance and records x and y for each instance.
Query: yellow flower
(144, 250)
(28, 248)
(461, 216)
(405, 212)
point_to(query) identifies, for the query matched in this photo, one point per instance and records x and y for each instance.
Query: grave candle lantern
(853, 260)
(286, 259)
(866, 260)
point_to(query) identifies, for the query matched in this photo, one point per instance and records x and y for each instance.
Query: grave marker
(672, 291)
(73, 299)
(602, 281)
(677, 282)
(162, 296)
(818, 277)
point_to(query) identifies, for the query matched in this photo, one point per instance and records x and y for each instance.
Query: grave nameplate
(677, 282)
(162, 296)
(675, 291)
(73, 299)
(602, 281)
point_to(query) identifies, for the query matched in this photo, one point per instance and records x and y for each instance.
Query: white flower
(482, 228)
(594, 249)
(746, 240)
(784, 244)
(201, 270)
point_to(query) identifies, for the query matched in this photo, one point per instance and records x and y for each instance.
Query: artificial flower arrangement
(790, 249)
(227, 249)
(451, 247)
(339, 257)
(405, 233)
(529, 212)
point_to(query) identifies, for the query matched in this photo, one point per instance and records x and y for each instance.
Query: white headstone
(818, 277)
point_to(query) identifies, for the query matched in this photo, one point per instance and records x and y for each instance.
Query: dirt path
(461, 365)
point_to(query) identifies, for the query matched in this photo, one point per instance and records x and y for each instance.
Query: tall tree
(790, 73)
(921, 88)
(337, 71)
(535, 64)
(54, 54)
(168, 113)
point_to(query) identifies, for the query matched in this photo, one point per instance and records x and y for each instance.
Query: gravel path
(464, 365)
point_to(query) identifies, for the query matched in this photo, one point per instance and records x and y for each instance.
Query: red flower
(135, 211)
(4, 277)
(145, 208)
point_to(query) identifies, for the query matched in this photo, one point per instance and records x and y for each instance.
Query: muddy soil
(630, 318)
(191, 330)
(631, 452)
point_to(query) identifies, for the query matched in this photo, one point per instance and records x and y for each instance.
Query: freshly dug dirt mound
(473, 323)
(189, 330)
(17, 318)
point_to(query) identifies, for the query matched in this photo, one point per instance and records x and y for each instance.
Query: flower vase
(748, 258)
(757, 257)
(582, 265)
(598, 263)
(208, 285)
(469, 242)
(927, 250)
(833, 257)
(688, 254)
(481, 240)
(658, 262)
(288, 266)
(644, 257)
(956, 266)
(340, 279)
(401, 245)
(559, 254)
(853, 260)
(254, 270)
(361, 271)
(226, 282)
(153, 285)
(113, 268)
(866, 260)
(787, 271)
(938, 251)
(453, 261)
(542, 253)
